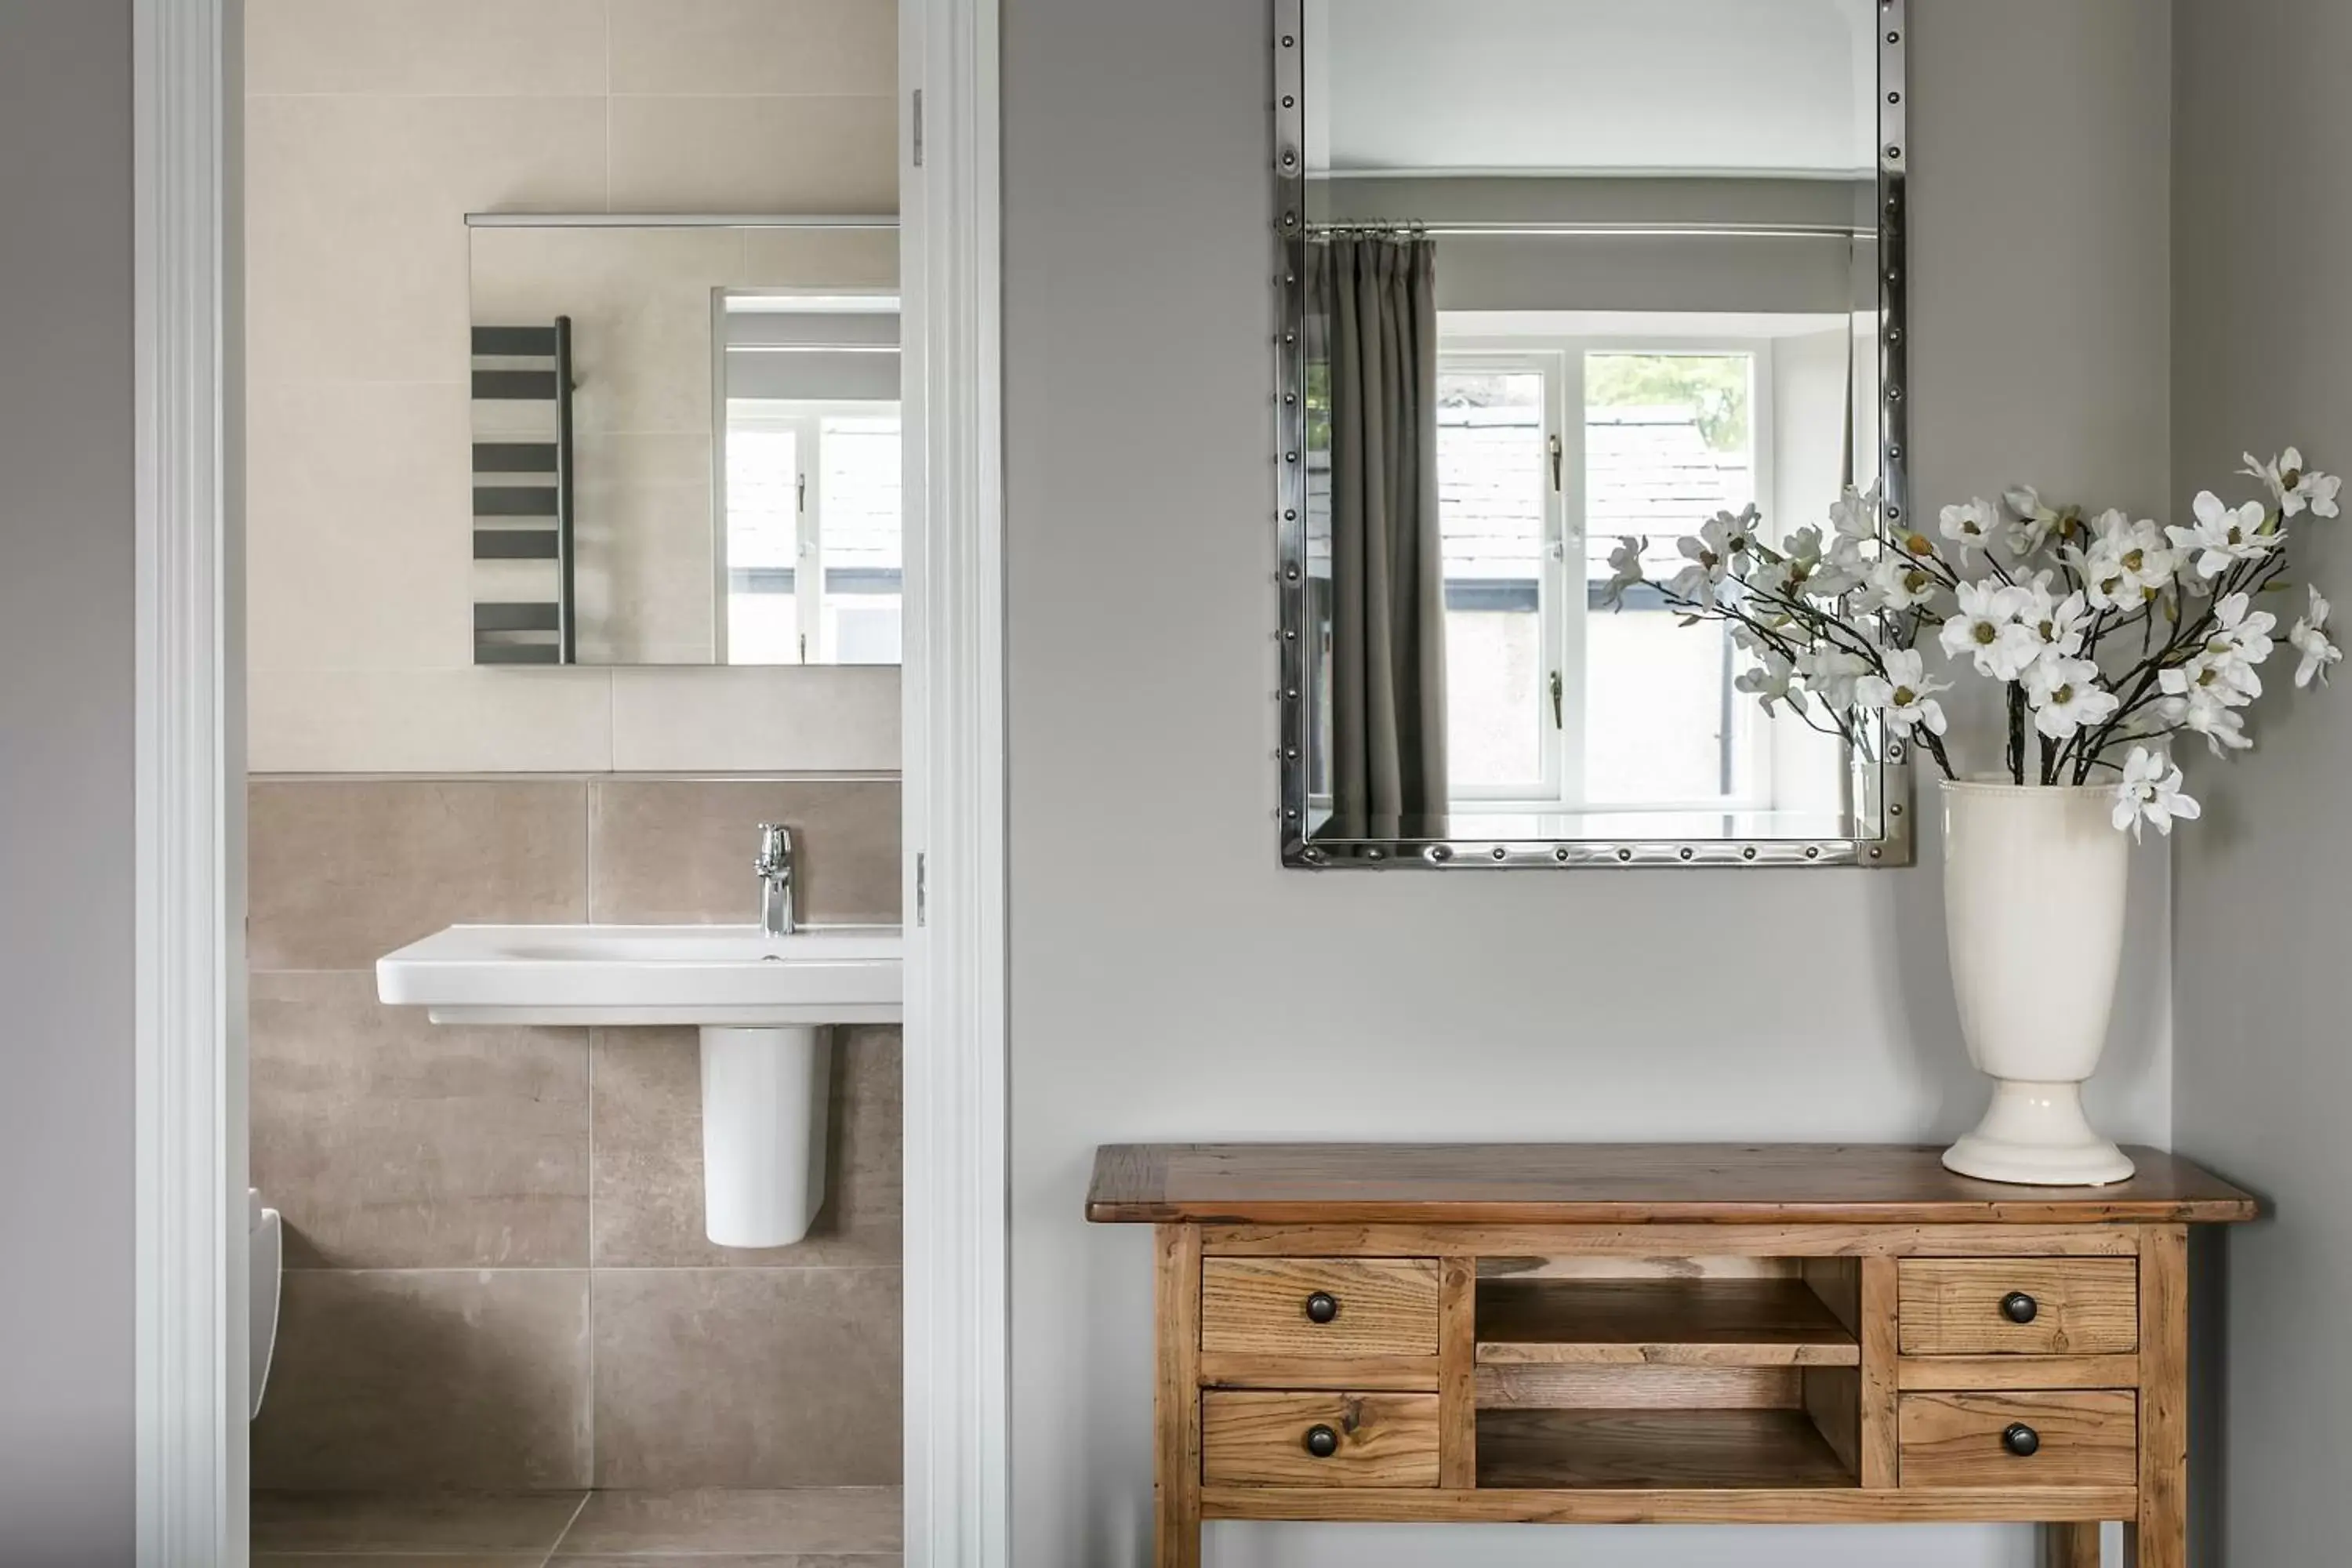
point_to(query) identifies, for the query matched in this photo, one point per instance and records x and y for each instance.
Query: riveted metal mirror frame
(1884, 792)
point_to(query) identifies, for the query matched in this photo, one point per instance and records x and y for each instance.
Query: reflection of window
(1547, 450)
(814, 571)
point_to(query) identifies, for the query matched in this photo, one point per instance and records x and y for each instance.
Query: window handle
(1553, 443)
(1556, 720)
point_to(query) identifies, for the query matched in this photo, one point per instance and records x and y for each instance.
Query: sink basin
(759, 1001)
(613, 975)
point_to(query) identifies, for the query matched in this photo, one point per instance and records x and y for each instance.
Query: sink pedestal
(764, 1096)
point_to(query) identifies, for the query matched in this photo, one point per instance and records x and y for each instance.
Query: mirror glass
(686, 444)
(1567, 272)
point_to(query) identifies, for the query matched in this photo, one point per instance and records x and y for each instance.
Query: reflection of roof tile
(1650, 471)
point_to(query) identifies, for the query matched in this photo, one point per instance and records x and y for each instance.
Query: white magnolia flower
(2065, 696)
(2205, 713)
(2151, 792)
(1899, 584)
(1768, 682)
(2224, 536)
(1905, 694)
(1721, 542)
(2242, 640)
(1855, 515)
(2128, 562)
(1831, 674)
(1971, 525)
(2310, 639)
(2296, 487)
(2030, 522)
(1988, 630)
(2059, 626)
(1626, 570)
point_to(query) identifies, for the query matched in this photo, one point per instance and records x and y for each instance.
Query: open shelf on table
(1732, 1450)
(1670, 1322)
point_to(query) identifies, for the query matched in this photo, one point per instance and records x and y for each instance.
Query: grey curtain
(1375, 301)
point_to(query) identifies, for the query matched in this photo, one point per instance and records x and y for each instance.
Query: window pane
(762, 544)
(1669, 442)
(1491, 456)
(864, 573)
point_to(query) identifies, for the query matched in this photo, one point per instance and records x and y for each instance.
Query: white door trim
(190, 1235)
(956, 1253)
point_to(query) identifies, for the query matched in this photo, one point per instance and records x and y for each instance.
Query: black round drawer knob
(2019, 1308)
(1322, 1307)
(2021, 1440)
(1322, 1442)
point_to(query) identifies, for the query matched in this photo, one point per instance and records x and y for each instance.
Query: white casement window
(811, 569)
(1549, 449)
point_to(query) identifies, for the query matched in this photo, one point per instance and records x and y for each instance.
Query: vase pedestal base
(2035, 1135)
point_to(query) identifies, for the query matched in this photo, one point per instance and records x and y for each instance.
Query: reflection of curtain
(1377, 298)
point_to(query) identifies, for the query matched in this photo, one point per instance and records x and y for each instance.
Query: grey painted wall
(1169, 980)
(64, 783)
(2262, 326)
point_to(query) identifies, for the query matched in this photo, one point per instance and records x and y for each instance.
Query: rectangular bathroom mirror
(1552, 273)
(686, 441)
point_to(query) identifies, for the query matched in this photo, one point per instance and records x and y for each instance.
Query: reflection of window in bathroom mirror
(685, 441)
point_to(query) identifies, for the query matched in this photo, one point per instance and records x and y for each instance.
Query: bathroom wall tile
(794, 1522)
(827, 46)
(412, 1379)
(680, 850)
(355, 235)
(429, 721)
(649, 1155)
(391, 1141)
(512, 48)
(489, 1523)
(790, 719)
(820, 259)
(751, 1377)
(645, 584)
(358, 531)
(755, 154)
(344, 871)
(404, 1560)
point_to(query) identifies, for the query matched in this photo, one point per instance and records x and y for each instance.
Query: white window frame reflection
(1564, 596)
(804, 421)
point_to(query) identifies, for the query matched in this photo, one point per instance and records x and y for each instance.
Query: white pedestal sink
(760, 1002)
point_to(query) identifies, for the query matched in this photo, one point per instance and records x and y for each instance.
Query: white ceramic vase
(2034, 880)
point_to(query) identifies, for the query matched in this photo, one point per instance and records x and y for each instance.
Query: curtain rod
(1598, 230)
(881, 221)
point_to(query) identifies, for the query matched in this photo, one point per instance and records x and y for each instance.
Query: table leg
(2071, 1545)
(1176, 1399)
(2159, 1537)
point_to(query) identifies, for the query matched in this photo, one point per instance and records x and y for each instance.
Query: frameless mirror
(686, 442)
(1553, 273)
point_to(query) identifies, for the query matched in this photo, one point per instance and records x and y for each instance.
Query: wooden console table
(1647, 1333)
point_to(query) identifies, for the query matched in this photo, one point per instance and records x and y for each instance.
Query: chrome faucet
(774, 866)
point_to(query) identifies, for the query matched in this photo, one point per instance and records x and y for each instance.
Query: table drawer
(1318, 1439)
(1319, 1306)
(2082, 1439)
(2023, 1306)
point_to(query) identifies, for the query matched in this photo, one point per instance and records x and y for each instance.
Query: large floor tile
(681, 849)
(391, 1141)
(817, 1520)
(769, 1377)
(337, 1523)
(413, 1381)
(342, 872)
(649, 1155)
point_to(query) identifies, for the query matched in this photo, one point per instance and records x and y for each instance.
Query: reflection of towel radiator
(525, 504)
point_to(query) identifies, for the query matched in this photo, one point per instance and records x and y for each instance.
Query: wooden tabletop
(1617, 1184)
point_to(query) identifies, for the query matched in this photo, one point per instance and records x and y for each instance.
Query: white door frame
(956, 1249)
(191, 1446)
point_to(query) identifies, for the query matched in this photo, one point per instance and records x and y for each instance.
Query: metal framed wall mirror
(1552, 277)
(684, 438)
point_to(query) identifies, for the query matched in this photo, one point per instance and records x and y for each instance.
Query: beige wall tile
(776, 720)
(430, 1560)
(407, 1379)
(359, 532)
(505, 48)
(820, 259)
(646, 588)
(749, 1377)
(755, 154)
(678, 849)
(342, 872)
(798, 1521)
(341, 1523)
(429, 721)
(391, 1141)
(826, 47)
(355, 237)
(649, 1155)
